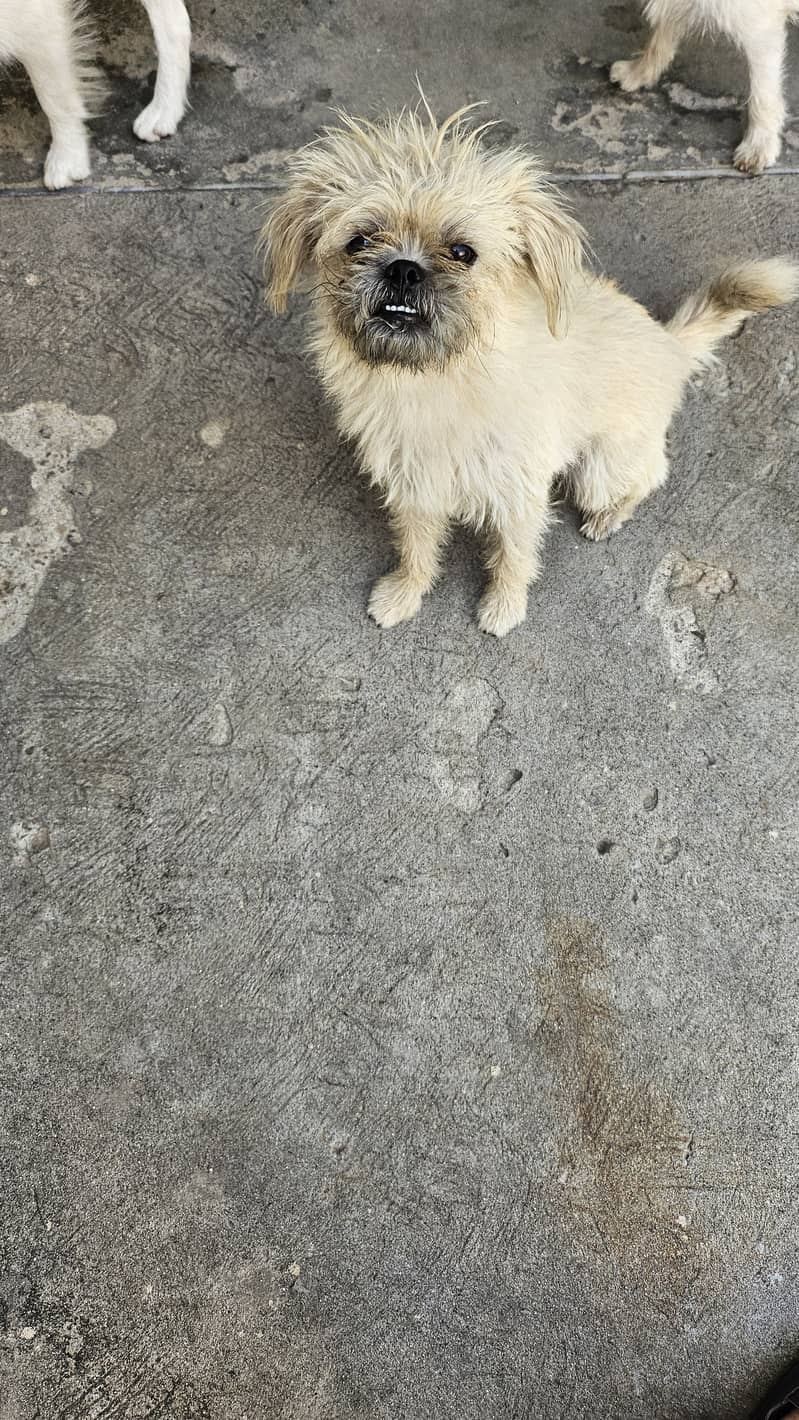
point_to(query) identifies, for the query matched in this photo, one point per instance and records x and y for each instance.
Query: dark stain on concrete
(626, 1139)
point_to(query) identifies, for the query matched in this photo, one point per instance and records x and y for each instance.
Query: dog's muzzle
(404, 284)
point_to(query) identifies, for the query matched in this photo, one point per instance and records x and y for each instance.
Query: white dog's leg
(50, 55)
(514, 562)
(645, 69)
(611, 482)
(172, 30)
(419, 538)
(765, 51)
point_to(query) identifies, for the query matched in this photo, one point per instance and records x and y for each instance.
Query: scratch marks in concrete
(682, 592)
(52, 436)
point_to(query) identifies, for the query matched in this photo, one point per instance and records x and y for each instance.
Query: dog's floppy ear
(288, 238)
(553, 243)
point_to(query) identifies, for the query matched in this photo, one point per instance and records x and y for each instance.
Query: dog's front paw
(66, 163)
(394, 599)
(500, 610)
(158, 120)
(629, 74)
(758, 149)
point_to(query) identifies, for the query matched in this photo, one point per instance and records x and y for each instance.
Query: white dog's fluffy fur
(758, 27)
(53, 41)
(504, 365)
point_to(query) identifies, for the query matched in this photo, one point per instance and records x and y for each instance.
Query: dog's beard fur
(445, 326)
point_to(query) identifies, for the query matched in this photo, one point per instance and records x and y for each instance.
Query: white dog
(758, 26)
(52, 39)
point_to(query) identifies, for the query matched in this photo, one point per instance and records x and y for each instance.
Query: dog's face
(412, 233)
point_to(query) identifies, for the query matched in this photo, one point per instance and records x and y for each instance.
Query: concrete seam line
(632, 175)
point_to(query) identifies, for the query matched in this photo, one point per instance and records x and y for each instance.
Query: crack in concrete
(630, 175)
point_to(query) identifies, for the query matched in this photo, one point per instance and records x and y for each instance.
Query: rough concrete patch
(52, 436)
(269, 161)
(656, 152)
(247, 79)
(624, 1151)
(213, 432)
(678, 589)
(220, 731)
(472, 707)
(131, 51)
(210, 47)
(454, 736)
(603, 122)
(460, 790)
(23, 131)
(693, 102)
(786, 370)
(28, 839)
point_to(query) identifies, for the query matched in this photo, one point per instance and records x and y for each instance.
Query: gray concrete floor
(392, 1024)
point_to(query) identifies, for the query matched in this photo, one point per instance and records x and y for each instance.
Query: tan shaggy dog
(470, 356)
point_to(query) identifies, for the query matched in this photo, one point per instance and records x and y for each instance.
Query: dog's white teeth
(401, 310)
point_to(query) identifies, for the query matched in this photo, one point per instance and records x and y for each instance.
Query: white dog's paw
(759, 149)
(66, 163)
(500, 610)
(158, 120)
(630, 74)
(394, 599)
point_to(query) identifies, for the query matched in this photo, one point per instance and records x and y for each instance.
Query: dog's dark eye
(358, 243)
(460, 252)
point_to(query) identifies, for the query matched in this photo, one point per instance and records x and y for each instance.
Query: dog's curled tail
(721, 307)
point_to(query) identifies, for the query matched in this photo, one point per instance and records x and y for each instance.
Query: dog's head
(412, 232)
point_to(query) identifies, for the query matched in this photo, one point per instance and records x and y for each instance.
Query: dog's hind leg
(172, 31)
(611, 482)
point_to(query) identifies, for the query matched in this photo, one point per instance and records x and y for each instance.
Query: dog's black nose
(404, 274)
